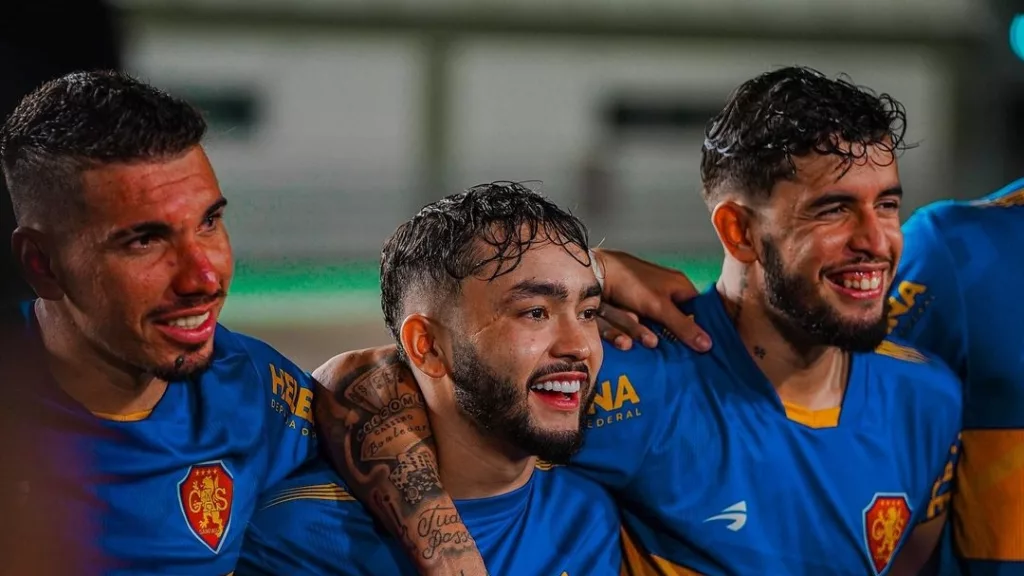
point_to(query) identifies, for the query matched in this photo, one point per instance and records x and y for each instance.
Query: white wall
(530, 109)
(335, 163)
(336, 148)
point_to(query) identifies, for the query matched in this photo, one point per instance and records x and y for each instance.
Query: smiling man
(179, 422)
(493, 303)
(803, 442)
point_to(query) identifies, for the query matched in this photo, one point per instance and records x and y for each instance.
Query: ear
(733, 223)
(419, 336)
(33, 252)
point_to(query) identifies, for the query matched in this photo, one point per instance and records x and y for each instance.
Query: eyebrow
(158, 228)
(847, 198)
(555, 290)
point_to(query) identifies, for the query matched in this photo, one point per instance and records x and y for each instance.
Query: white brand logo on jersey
(737, 514)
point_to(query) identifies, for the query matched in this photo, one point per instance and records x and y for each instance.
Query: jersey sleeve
(926, 304)
(624, 420)
(289, 432)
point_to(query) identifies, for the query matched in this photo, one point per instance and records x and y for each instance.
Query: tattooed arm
(374, 429)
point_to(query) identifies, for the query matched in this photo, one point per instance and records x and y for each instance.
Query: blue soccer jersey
(172, 489)
(958, 295)
(558, 524)
(716, 475)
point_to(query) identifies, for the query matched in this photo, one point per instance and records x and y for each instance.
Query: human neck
(812, 377)
(101, 385)
(495, 467)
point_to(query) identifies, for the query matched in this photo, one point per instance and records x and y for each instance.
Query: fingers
(683, 327)
(682, 288)
(621, 327)
(614, 336)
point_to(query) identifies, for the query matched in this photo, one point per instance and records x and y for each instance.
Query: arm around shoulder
(375, 431)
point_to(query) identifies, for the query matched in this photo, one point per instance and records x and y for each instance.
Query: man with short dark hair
(181, 423)
(492, 301)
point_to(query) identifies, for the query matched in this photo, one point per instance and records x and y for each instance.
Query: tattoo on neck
(760, 352)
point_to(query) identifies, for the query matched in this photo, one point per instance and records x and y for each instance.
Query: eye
(834, 211)
(589, 314)
(890, 206)
(535, 314)
(211, 221)
(142, 242)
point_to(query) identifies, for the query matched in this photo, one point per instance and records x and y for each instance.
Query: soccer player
(956, 294)
(183, 422)
(491, 299)
(803, 442)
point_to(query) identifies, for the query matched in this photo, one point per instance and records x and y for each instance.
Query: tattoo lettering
(440, 526)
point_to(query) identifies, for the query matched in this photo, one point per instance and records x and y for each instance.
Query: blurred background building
(334, 120)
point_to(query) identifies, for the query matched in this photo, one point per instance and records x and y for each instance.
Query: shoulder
(1009, 196)
(230, 343)
(348, 366)
(241, 358)
(950, 221)
(917, 375)
(668, 360)
(317, 490)
(668, 373)
(311, 524)
(641, 383)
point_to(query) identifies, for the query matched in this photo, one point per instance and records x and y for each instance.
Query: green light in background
(1017, 35)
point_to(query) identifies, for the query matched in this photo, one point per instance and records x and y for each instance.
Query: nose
(869, 237)
(196, 275)
(572, 343)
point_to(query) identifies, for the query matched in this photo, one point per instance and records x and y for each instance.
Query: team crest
(886, 519)
(206, 495)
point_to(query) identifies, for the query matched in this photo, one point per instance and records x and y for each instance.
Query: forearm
(375, 430)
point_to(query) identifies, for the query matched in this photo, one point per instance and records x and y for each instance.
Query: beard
(185, 367)
(804, 318)
(499, 409)
(189, 362)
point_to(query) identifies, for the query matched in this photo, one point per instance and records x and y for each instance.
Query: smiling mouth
(188, 322)
(191, 330)
(562, 395)
(858, 284)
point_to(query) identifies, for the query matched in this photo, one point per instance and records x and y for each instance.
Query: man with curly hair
(804, 442)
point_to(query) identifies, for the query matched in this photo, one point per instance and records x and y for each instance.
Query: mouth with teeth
(560, 391)
(858, 284)
(188, 329)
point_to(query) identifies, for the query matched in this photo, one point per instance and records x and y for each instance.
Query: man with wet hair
(492, 302)
(804, 442)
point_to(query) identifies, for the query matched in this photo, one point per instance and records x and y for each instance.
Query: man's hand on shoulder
(375, 430)
(634, 289)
